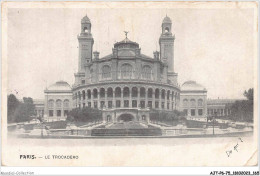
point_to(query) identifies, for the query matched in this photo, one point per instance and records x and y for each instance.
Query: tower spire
(166, 43)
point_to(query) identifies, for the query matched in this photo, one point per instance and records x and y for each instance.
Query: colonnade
(127, 97)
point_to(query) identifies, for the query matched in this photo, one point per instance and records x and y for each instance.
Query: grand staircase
(127, 129)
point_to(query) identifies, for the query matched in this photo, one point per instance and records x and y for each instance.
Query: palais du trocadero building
(125, 84)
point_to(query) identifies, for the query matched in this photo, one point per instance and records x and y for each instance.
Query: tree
(242, 110)
(85, 114)
(249, 94)
(170, 117)
(12, 104)
(20, 111)
(30, 107)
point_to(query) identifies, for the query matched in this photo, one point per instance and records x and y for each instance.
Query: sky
(214, 47)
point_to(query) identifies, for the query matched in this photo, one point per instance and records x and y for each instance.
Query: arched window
(147, 72)
(142, 92)
(157, 93)
(58, 103)
(200, 102)
(51, 104)
(168, 95)
(126, 71)
(89, 94)
(150, 93)
(126, 92)
(102, 93)
(106, 72)
(83, 94)
(118, 92)
(108, 118)
(109, 92)
(163, 94)
(95, 93)
(86, 29)
(185, 102)
(192, 102)
(66, 104)
(134, 92)
(166, 29)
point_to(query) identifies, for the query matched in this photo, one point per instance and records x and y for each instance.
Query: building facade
(193, 100)
(126, 82)
(58, 101)
(220, 107)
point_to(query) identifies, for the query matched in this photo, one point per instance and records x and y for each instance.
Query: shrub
(85, 114)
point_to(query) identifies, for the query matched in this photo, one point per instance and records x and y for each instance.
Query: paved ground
(124, 141)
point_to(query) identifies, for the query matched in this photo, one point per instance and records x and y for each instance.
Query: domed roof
(167, 20)
(126, 43)
(192, 85)
(60, 85)
(85, 19)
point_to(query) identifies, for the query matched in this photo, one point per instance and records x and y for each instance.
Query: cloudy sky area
(213, 46)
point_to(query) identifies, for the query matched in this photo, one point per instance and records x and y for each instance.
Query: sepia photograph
(130, 84)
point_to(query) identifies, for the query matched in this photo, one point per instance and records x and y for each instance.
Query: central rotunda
(126, 84)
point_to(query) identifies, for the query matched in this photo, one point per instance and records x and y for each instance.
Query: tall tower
(86, 42)
(166, 42)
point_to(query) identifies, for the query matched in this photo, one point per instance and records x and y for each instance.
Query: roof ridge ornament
(126, 32)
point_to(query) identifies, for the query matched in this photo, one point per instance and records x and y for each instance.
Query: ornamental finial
(126, 32)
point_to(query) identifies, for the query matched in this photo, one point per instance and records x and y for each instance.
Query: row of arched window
(58, 103)
(127, 71)
(125, 92)
(192, 102)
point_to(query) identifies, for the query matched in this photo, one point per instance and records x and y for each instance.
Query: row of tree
(242, 110)
(19, 111)
(85, 114)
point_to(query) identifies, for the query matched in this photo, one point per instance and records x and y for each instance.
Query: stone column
(176, 102)
(196, 108)
(130, 97)
(153, 98)
(86, 98)
(165, 100)
(122, 98)
(92, 98)
(98, 99)
(170, 101)
(138, 97)
(160, 100)
(62, 108)
(106, 102)
(114, 99)
(146, 97)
